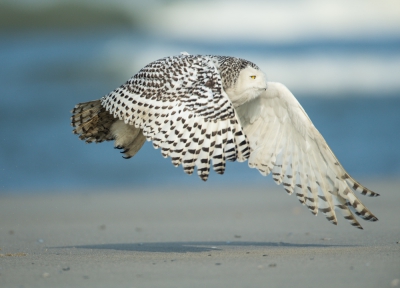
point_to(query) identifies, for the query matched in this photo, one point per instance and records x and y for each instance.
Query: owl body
(204, 110)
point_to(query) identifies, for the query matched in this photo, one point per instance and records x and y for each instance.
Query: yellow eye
(253, 76)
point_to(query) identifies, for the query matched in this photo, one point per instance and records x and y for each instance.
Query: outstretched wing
(180, 105)
(284, 141)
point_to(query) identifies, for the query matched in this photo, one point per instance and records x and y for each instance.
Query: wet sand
(223, 237)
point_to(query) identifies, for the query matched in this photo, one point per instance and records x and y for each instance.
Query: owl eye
(253, 76)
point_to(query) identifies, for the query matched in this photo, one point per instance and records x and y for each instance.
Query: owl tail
(93, 123)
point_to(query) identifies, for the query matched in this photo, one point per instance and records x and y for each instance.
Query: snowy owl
(204, 110)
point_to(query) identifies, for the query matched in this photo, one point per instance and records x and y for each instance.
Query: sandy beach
(222, 237)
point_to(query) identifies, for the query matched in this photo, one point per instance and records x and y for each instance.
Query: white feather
(281, 133)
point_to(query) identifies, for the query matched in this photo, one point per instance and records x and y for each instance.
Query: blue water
(43, 76)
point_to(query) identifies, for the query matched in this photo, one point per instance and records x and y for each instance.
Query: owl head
(249, 85)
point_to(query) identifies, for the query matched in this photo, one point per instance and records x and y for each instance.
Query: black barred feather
(180, 105)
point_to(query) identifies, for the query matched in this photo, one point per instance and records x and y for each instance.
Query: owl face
(249, 85)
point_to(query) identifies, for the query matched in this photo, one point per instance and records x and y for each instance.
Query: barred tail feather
(93, 123)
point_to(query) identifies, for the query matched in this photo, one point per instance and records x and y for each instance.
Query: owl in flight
(203, 110)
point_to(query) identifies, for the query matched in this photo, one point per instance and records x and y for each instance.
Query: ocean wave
(275, 21)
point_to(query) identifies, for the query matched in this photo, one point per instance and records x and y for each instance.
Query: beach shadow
(185, 247)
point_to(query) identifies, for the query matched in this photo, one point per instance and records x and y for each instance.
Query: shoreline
(217, 237)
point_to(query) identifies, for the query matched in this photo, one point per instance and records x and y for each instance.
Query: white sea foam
(275, 21)
(327, 75)
(254, 20)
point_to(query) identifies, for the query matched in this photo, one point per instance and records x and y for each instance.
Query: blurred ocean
(349, 86)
